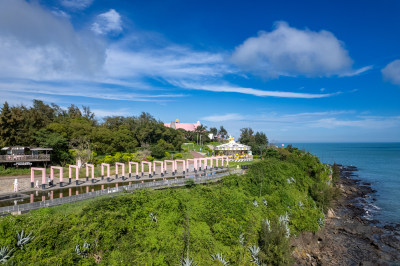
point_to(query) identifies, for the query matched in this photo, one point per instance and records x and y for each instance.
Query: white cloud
(250, 91)
(168, 63)
(84, 90)
(361, 122)
(36, 44)
(100, 113)
(392, 72)
(222, 118)
(108, 23)
(76, 4)
(60, 13)
(356, 72)
(288, 51)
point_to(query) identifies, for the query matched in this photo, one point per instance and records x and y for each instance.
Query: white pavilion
(235, 151)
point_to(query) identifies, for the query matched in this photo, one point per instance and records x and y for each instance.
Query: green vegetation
(258, 141)
(75, 133)
(241, 220)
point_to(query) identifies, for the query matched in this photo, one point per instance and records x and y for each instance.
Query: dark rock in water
(389, 227)
(349, 238)
(391, 241)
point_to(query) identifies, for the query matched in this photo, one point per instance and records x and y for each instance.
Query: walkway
(197, 154)
(17, 209)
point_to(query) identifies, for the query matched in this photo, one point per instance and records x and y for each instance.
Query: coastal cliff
(351, 236)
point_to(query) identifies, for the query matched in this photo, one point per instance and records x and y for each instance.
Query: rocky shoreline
(350, 235)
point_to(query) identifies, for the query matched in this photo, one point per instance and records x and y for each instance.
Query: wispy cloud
(366, 122)
(76, 4)
(251, 91)
(166, 63)
(356, 72)
(101, 113)
(223, 118)
(324, 119)
(88, 91)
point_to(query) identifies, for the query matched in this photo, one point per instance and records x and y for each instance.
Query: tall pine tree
(6, 134)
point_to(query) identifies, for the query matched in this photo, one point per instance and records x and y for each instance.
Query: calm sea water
(378, 164)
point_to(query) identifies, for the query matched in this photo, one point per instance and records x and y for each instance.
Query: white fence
(73, 198)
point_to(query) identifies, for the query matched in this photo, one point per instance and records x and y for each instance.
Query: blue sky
(300, 71)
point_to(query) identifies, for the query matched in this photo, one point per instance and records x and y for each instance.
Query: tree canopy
(258, 141)
(51, 126)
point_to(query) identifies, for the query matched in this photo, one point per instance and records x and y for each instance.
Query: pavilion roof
(232, 146)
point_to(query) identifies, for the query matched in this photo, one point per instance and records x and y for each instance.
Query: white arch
(33, 169)
(91, 166)
(183, 165)
(52, 168)
(194, 164)
(137, 169)
(149, 164)
(162, 167)
(108, 171)
(76, 173)
(116, 170)
(166, 164)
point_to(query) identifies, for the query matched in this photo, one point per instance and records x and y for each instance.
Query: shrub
(109, 159)
(150, 158)
(157, 151)
(335, 172)
(190, 183)
(274, 245)
(178, 156)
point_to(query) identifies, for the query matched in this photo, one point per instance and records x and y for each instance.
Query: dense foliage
(258, 141)
(78, 130)
(243, 219)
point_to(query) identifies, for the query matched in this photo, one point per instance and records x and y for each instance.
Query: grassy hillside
(279, 197)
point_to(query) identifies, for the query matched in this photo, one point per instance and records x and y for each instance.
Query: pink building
(185, 126)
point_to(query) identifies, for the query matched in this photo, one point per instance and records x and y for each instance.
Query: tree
(258, 142)
(47, 138)
(73, 111)
(201, 132)
(222, 132)
(87, 113)
(6, 125)
(246, 136)
(214, 131)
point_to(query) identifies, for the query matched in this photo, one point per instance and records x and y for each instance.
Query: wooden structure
(19, 155)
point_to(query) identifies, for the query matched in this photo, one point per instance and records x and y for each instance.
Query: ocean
(377, 163)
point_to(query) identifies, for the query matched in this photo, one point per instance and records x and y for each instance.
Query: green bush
(190, 183)
(335, 172)
(150, 158)
(157, 151)
(109, 159)
(178, 156)
(274, 245)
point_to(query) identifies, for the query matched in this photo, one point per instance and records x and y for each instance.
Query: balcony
(24, 158)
